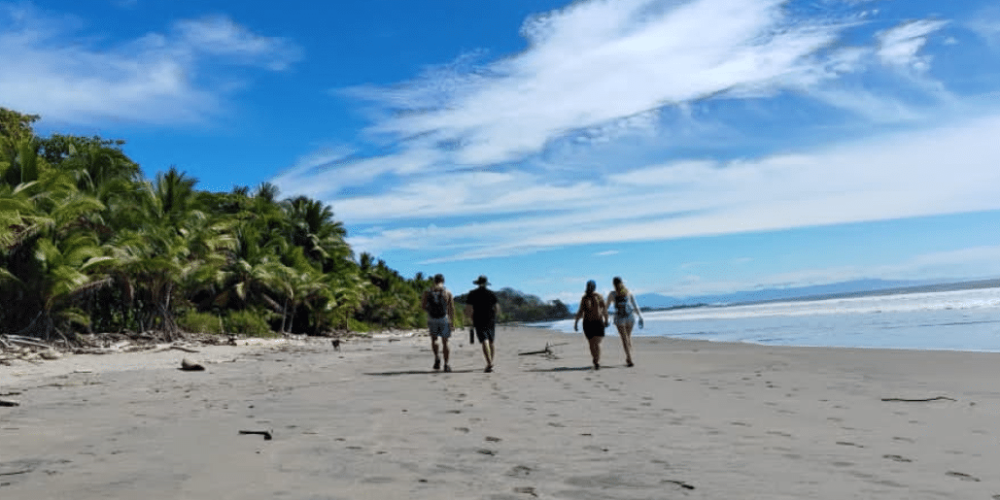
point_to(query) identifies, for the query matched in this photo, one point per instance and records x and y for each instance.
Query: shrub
(358, 326)
(248, 323)
(196, 322)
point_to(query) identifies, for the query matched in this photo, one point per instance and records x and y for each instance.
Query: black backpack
(436, 306)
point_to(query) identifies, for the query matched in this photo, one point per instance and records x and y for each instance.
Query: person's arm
(579, 314)
(468, 311)
(451, 311)
(635, 307)
(604, 311)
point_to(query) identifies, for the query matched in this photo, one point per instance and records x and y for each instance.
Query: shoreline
(693, 419)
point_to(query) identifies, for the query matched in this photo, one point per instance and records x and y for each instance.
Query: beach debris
(921, 400)
(191, 366)
(547, 351)
(682, 484)
(182, 348)
(7, 402)
(267, 434)
(49, 354)
(336, 344)
(527, 490)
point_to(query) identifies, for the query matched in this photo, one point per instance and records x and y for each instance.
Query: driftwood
(547, 351)
(266, 434)
(7, 402)
(191, 366)
(924, 400)
(15, 339)
(182, 348)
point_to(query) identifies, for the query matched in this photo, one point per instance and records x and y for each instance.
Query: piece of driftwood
(266, 434)
(14, 339)
(191, 366)
(546, 351)
(14, 473)
(7, 402)
(185, 349)
(922, 400)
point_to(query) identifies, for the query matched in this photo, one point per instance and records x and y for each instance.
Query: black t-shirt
(483, 311)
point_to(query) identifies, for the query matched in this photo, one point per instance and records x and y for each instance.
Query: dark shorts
(593, 329)
(484, 333)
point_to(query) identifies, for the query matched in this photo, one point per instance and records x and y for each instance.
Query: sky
(690, 146)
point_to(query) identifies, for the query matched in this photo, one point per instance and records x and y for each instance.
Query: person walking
(594, 312)
(440, 307)
(483, 307)
(626, 312)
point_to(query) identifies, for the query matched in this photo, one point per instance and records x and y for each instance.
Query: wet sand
(690, 420)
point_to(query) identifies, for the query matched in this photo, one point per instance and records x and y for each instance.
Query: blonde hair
(619, 286)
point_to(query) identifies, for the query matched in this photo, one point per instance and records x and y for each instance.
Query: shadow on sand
(419, 372)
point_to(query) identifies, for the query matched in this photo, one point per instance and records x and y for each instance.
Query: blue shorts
(439, 327)
(625, 320)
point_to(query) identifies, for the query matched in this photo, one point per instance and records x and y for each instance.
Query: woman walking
(626, 312)
(595, 318)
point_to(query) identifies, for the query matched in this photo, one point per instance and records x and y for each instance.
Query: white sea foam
(985, 298)
(967, 320)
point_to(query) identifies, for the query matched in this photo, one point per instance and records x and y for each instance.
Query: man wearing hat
(482, 305)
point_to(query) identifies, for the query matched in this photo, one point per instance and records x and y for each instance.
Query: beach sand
(373, 421)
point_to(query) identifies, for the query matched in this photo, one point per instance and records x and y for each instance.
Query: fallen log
(191, 366)
(923, 400)
(7, 402)
(266, 434)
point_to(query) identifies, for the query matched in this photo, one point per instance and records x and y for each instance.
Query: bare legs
(444, 350)
(595, 351)
(625, 332)
(488, 354)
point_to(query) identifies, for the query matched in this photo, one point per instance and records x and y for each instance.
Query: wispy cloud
(470, 154)
(52, 67)
(966, 263)
(896, 177)
(900, 46)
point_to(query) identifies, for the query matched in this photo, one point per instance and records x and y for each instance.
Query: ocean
(964, 320)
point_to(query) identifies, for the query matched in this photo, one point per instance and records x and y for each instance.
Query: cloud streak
(52, 69)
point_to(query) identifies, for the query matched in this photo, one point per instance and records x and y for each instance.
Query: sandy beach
(373, 421)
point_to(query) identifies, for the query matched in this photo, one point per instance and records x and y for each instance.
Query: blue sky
(692, 147)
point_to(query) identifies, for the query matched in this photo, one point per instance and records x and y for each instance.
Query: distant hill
(855, 288)
(517, 306)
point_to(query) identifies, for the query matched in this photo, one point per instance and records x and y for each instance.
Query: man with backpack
(437, 301)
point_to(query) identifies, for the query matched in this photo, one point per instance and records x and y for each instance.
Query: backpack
(436, 304)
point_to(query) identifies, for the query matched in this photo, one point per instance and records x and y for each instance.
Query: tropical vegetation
(87, 244)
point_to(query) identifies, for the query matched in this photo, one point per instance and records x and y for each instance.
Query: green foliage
(197, 322)
(248, 322)
(87, 243)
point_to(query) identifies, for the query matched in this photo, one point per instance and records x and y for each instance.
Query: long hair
(620, 286)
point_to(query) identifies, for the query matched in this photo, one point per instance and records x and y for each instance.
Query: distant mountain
(855, 288)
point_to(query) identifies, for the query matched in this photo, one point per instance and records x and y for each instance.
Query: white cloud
(51, 69)
(961, 264)
(986, 24)
(947, 169)
(900, 46)
(604, 66)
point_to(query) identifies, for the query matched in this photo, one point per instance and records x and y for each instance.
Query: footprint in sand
(519, 471)
(527, 490)
(462, 429)
(848, 443)
(493, 439)
(963, 476)
(897, 458)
